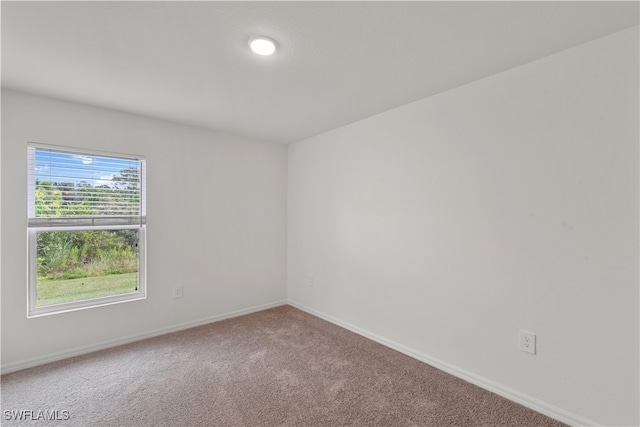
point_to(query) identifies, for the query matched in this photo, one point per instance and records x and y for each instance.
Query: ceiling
(338, 62)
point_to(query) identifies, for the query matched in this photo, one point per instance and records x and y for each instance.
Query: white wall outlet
(528, 342)
(310, 280)
(177, 291)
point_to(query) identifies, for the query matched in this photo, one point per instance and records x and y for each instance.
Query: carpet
(278, 367)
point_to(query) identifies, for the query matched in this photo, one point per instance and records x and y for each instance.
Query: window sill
(83, 305)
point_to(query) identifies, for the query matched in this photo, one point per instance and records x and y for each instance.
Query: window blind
(67, 188)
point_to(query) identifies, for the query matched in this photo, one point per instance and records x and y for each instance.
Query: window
(86, 229)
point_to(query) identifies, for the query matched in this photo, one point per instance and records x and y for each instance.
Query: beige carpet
(279, 367)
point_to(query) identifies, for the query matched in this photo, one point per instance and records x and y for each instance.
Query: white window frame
(35, 225)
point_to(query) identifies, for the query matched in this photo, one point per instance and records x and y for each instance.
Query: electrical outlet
(177, 291)
(310, 280)
(528, 342)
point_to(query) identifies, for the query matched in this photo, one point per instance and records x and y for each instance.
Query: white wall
(215, 224)
(447, 225)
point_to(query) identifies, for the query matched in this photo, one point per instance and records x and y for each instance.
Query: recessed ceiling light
(262, 45)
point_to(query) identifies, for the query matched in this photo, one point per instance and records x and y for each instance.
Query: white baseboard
(77, 351)
(506, 392)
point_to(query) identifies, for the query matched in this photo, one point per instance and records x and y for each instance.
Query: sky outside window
(96, 171)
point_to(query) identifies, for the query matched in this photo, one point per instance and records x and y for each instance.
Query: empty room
(320, 213)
